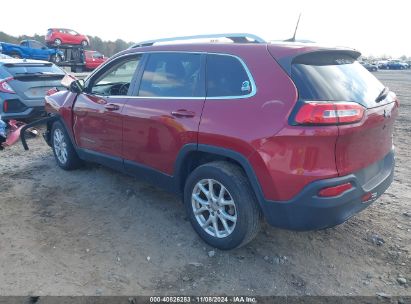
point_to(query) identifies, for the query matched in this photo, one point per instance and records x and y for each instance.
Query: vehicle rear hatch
(31, 80)
(335, 77)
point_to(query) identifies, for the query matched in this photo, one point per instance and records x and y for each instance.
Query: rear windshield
(334, 77)
(36, 68)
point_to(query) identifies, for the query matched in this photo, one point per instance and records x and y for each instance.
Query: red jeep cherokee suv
(298, 134)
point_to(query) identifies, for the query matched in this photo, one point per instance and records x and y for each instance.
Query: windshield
(334, 77)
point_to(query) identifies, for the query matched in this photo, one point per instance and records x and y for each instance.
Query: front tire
(84, 43)
(56, 59)
(57, 41)
(63, 150)
(221, 205)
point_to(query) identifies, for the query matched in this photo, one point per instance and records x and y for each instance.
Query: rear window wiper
(382, 95)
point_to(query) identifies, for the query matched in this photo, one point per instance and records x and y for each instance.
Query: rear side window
(172, 75)
(334, 77)
(35, 68)
(226, 77)
(71, 32)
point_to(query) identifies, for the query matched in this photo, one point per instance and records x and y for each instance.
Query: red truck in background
(93, 59)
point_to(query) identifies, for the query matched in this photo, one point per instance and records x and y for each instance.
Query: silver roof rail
(235, 37)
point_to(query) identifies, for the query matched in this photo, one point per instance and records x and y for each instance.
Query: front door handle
(183, 113)
(112, 107)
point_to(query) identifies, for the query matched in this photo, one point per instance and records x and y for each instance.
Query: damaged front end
(30, 126)
(10, 132)
(13, 130)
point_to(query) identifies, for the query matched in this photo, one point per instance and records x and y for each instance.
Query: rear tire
(84, 43)
(16, 55)
(208, 210)
(63, 150)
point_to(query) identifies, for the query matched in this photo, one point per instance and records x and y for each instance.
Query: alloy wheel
(214, 208)
(60, 146)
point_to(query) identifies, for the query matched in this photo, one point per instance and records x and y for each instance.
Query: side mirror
(72, 83)
(77, 86)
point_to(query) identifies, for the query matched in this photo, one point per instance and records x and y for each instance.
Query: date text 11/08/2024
(209, 299)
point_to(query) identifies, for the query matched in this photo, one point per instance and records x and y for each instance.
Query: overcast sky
(372, 27)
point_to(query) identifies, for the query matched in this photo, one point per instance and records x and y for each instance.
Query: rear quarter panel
(9, 49)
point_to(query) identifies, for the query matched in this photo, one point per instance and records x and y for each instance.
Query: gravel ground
(98, 232)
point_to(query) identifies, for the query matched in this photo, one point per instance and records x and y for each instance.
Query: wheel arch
(49, 125)
(16, 52)
(192, 155)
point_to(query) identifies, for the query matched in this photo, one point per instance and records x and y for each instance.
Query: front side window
(116, 79)
(172, 75)
(226, 77)
(97, 55)
(36, 45)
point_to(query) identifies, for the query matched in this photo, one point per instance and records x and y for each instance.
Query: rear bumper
(32, 112)
(308, 211)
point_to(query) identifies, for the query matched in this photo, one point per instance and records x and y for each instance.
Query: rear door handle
(183, 113)
(112, 107)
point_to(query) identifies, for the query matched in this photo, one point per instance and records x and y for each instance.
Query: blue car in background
(31, 49)
(397, 65)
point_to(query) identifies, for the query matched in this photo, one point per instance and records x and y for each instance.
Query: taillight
(335, 190)
(52, 91)
(5, 106)
(5, 87)
(329, 113)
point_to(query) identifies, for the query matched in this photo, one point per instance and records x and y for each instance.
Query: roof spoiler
(25, 63)
(287, 61)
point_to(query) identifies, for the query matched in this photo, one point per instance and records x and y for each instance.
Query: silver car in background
(23, 85)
